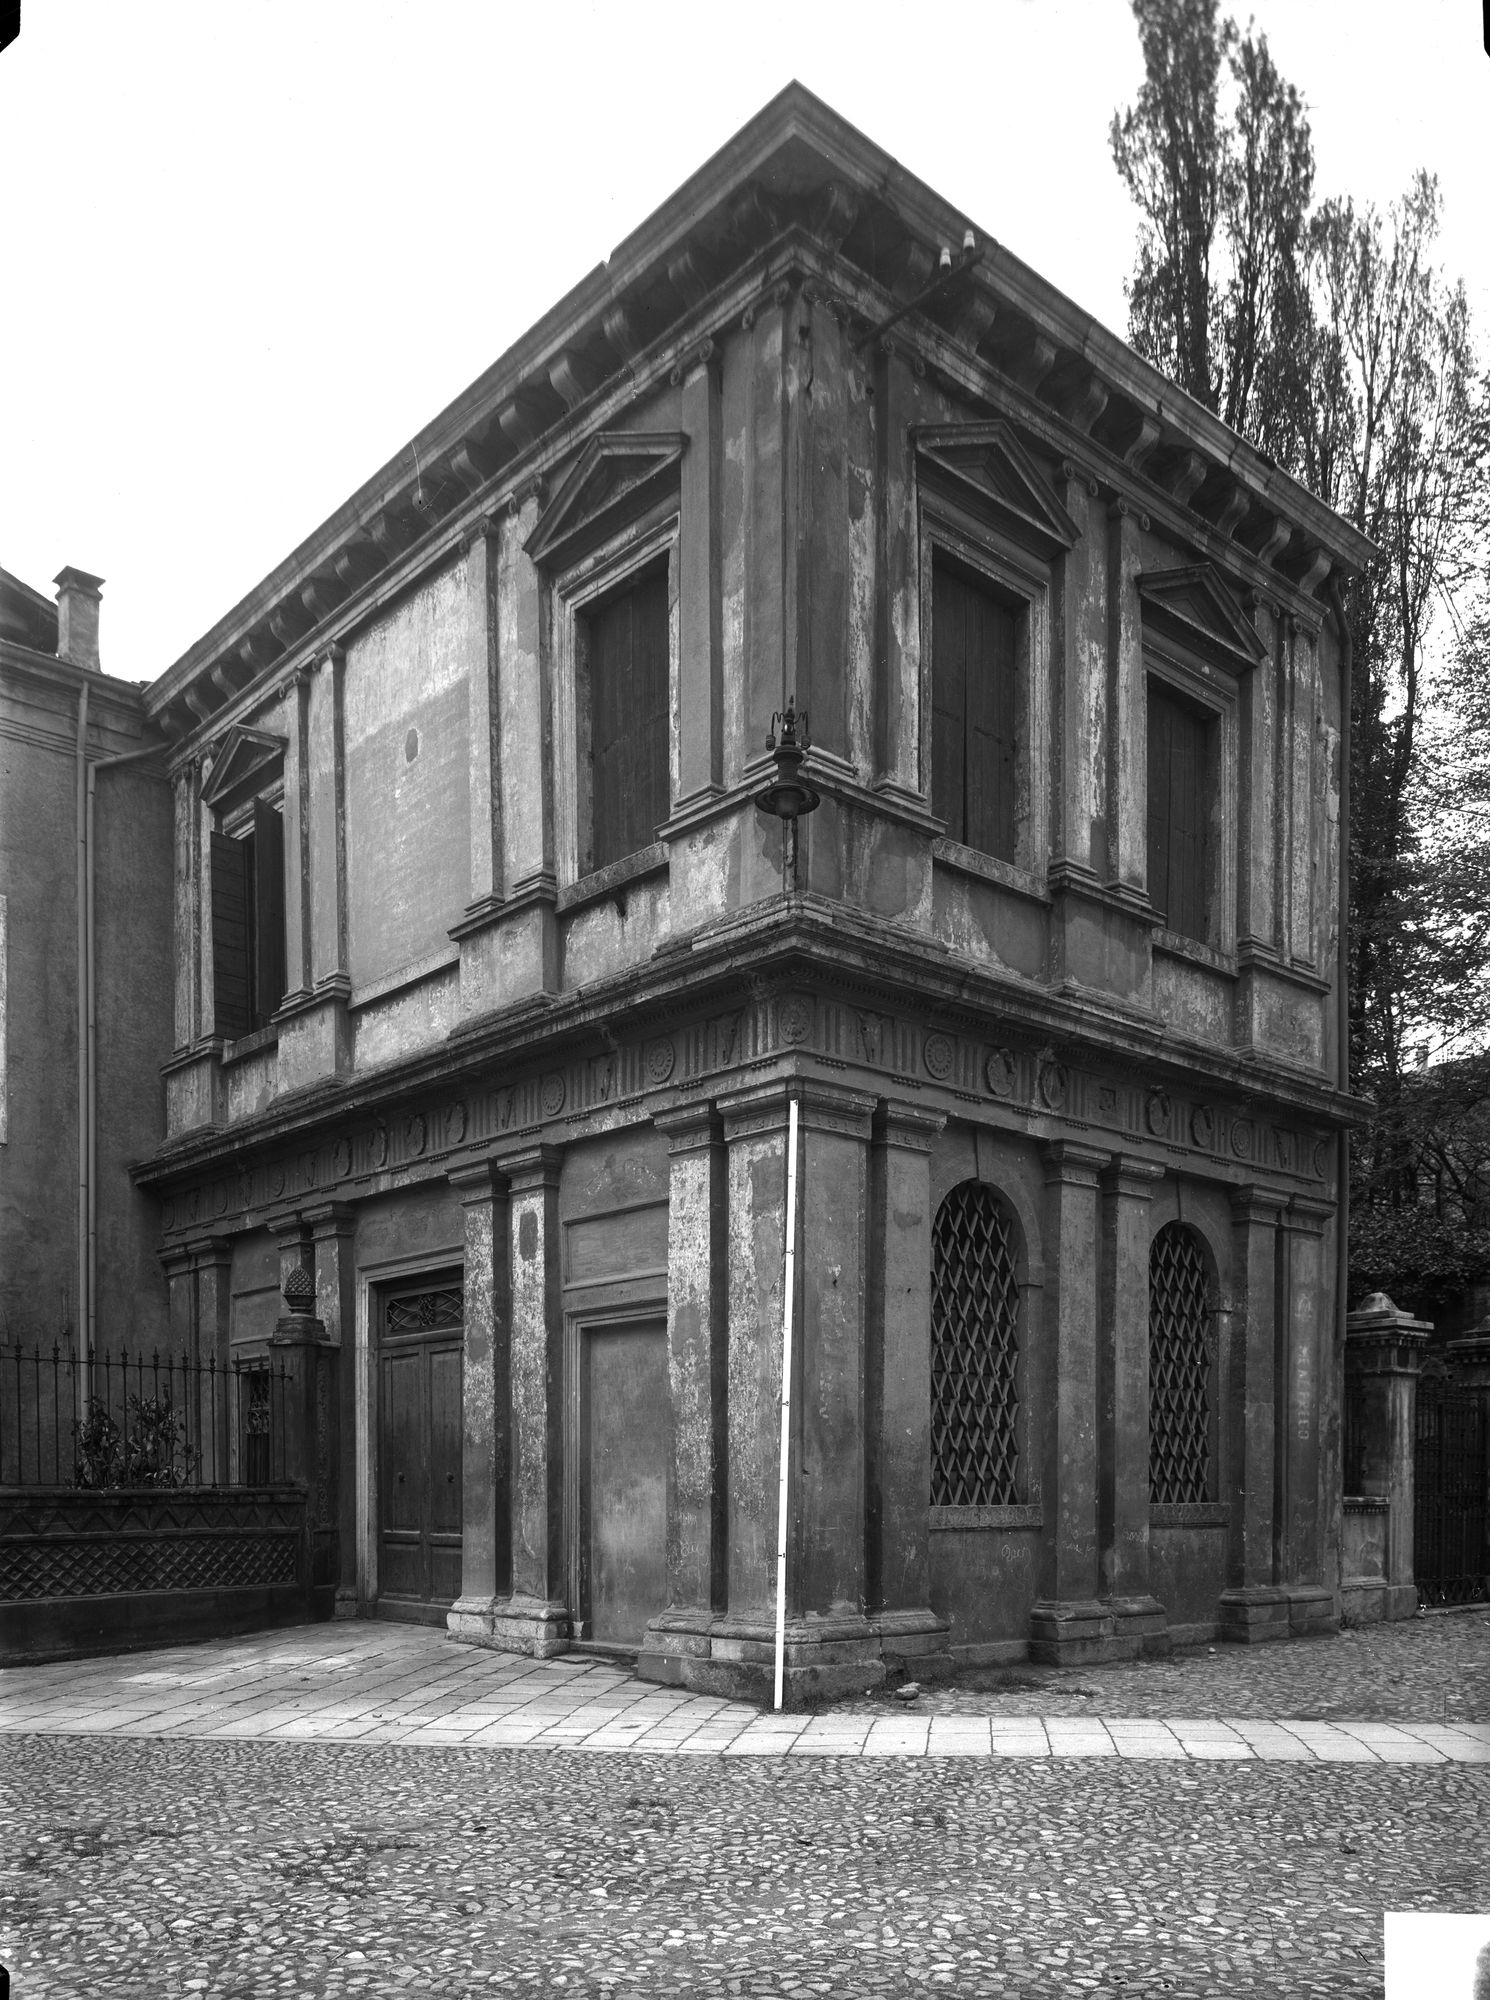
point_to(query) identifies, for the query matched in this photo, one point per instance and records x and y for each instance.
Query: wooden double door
(420, 1344)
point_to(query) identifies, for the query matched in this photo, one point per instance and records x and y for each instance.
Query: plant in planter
(151, 1451)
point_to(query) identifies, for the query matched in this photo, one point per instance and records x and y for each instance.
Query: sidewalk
(376, 1683)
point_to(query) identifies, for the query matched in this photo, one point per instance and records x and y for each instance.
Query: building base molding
(1312, 1608)
(1067, 1632)
(1140, 1628)
(825, 1656)
(1248, 1616)
(536, 1626)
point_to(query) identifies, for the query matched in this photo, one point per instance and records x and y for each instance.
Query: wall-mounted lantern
(788, 797)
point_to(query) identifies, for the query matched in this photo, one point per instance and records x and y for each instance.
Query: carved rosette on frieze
(939, 1055)
(1000, 1073)
(661, 1057)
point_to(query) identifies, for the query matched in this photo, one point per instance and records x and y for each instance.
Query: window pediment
(1194, 605)
(244, 762)
(617, 473)
(985, 466)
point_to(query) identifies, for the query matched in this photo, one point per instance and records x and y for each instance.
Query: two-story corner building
(493, 986)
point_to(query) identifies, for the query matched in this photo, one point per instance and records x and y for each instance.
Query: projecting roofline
(796, 166)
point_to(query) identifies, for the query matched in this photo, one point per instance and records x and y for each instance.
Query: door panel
(419, 1462)
(625, 1428)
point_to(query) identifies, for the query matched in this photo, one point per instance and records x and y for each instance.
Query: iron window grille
(974, 1353)
(1179, 1368)
(426, 1312)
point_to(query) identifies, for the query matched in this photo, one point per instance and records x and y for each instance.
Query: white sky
(249, 251)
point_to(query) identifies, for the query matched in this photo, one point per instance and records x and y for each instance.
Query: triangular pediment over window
(618, 474)
(244, 764)
(986, 467)
(1195, 606)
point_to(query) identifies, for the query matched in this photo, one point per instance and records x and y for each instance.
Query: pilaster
(1305, 1400)
(486, 1514)
(1253, 1607)
(483, 568)
(1127, 707)
(332, 1226)
(897, 1390)
(700, 769)
(897, 680)
(1069, 1624)
(1123, 1402)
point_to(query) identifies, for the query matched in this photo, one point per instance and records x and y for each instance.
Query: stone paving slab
(381, 1684)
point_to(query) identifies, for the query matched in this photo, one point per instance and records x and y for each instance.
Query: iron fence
(1450, 1559)
(133, 1420)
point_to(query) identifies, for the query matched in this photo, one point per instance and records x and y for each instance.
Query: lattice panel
(63, 1567)
(974, 1354)
(1179, 1368)
(423, 1312)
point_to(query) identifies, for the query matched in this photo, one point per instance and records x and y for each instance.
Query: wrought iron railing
(133, 1420)
(1451, 1559)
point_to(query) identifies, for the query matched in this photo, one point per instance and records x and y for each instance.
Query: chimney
(77, 617)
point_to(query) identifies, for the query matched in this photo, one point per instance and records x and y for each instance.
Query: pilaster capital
(210, 1250)
(176, 1261)
(475, 1181)
(911, 1128)
(689, 1128)
(831, 1107)
(748, 1113)
(1255, 1205)
(1130, 1178)
(331, 1218)
(1307, 1216)
(1070, 1163)
(531, 1168)
(288, 1226)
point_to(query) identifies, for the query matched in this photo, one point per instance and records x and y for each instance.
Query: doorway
(622, 1526)
(421, 1335)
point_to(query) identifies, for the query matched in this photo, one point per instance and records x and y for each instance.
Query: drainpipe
(1342, 969)
(84, 1382)
(91, 980)
(789, 1289)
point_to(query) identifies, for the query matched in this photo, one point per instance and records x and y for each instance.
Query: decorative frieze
(1040, 1086)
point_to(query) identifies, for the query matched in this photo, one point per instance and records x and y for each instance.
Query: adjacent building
(493, 982)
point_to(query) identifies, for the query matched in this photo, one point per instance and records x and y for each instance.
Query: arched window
(1179, 1368)
(974, 1353)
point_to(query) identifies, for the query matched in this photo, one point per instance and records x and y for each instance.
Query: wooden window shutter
(629, 720)
(974, 700)
(231, 995)
(269, 913)
(1178, 814)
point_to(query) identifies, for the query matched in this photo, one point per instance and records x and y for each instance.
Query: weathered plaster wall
(407, 757)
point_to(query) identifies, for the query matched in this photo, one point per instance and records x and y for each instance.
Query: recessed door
(419, 1453)
(623, 1485)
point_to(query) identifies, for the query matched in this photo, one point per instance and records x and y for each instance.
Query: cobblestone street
(184, 1823)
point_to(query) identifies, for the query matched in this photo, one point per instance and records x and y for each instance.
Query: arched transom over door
(974, 1353)
(1179, 1368)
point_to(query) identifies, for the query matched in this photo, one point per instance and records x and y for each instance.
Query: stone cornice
(644, 312)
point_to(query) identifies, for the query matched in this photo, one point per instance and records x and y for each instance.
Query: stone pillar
(483, 695)
(1127, 738)
(897, 1389)
(186, 850)
(332, 1226)
(297, 838)
(897, 661)
(701, 651)
(1306, 1344)
(1384, 1350)
(1069, 1624)
(533, 1617)
(304, 1412)
(755, 1127)
(1139, 1622)
(486, 1512)
(696, 1361)
(212, 1270)
(1254, 1606)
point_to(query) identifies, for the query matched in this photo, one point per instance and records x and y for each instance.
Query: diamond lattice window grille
(1179, 1368)
(974, 1353)
(423, 1312)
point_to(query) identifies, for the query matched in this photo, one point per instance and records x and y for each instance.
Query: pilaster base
(1312, 1609)
(1140, 1628)
(1370, 1600)
(533, 1625)
(825, 1657)
(1068, 1632)
(1252, 1614)
(346, 1602)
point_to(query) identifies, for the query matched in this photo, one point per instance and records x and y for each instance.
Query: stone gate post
(1383, 1357)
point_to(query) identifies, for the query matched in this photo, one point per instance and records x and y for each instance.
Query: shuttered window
(974, 700)
(248, 924)
(1180, 785)
(628, 654)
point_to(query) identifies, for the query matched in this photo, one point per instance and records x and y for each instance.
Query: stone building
(84, 982)
(493, 982)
